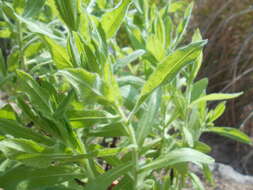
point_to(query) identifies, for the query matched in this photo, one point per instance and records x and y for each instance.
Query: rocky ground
(226, 178)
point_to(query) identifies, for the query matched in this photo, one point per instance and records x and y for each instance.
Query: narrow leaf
(177, 156)
(171, 65)
(231, 133)
(215, 97)
(112, 20)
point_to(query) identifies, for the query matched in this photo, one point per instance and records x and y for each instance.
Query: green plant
(100, 113)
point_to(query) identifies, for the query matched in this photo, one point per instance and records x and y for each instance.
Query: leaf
(33, 8)
(188, 136)
(197, 184)
(199, 88)
(38, 27)
(58, 53)
(196, 66)
(110, 87)
(111, 130)
(69, 11)
(215, 97)
(231, 133)
(177, 156)
(107, 178)
(149, 117)
(13, 128)
(218, 111)
(25, 151)
(88, 118)
(181, 29)
(112, 20)
(34, 178)
(171, 65)
(39, 97)
(155, 47)
(202, 147)
(160, 29)
(62, 107)
(86, 84)
(128, 59)
(177, 6)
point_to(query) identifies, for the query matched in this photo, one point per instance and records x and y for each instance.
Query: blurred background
(228, 63)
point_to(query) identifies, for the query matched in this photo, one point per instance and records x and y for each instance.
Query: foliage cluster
(87, 109)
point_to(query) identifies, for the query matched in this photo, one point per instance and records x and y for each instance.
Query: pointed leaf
(177, 156)
(107, 178)
(231, 133)
(112, 20)
(149, 117)
(171, 65)
(215, 97)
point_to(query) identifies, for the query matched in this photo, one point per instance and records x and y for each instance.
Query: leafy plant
(97, 113)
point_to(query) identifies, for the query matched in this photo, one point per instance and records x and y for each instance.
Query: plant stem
(132, 137)
(20, 44)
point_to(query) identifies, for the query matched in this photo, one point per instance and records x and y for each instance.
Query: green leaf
(231, 133)
(25, 151)
(33, 8)
(149, 117)
(155, 47)
(13, 128)
(69, 11)
(177, 6)
(128, 59)
(198, 89)
(218, 111)
(181, 29)
(197, 184)
(86, 84)
(38, 27)
(62, 107)
(111, 130)
(202, 147)
(58, 53)
(188, 136)
(107, 178)
(110, 87)
(39, 97)
(215, 97)
(112, 20)
(34, 178)
(177, 156)
(167, 69)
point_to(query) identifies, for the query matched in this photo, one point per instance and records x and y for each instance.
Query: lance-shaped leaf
(107, 178)
(120, 63)
(32, 8)
(112, 20)
(34, 178)
(110, 87)
(231, 133)
(176, 157)
(86, 84)
(13, 128)
(215, 97)
(38, 96)
(69, 11)
(59, 54)
(170, 66)
(148, 118)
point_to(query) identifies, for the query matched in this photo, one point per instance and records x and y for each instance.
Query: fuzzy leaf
(231, 133)
(112, 20)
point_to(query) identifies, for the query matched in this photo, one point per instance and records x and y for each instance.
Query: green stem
(20, 45)
(133, 141)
